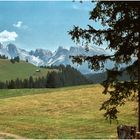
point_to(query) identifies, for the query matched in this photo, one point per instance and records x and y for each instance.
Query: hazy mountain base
(101, 77)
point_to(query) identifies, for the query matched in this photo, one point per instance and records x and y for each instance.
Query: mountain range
(41, 57)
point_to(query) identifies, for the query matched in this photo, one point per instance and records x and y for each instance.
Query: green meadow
(21, 70)
(61, 113)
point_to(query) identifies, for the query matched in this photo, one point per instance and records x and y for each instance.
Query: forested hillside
(24, 75)
(124, 76)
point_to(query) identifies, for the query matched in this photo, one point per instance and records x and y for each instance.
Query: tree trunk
(139, 85)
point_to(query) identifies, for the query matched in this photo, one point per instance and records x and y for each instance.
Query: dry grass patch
(63, 113)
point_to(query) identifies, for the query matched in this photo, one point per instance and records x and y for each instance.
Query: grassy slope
(21, 70)
(71, 112)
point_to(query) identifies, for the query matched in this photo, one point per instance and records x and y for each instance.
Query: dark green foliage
(3, 57)
(53, 80)
(125, 76)
(65, 76)
(15, 59)
(96, 78)
(27, 60)
(120, 28)
(12, 60)
(11, 84)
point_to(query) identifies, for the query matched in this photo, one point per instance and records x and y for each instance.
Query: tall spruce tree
(120, 23)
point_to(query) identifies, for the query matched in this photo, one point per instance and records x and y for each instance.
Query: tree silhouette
(120, 28)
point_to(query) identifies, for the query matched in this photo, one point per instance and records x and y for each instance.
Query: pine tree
(17, 59)
(31, 82)
(11, 84)
(51, 80)
(120, 28)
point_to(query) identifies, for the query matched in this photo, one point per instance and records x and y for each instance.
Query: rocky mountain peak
(45, 57)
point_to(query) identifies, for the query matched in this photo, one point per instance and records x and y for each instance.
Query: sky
(35, 24)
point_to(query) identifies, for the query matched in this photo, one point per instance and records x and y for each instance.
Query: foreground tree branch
(119, 23)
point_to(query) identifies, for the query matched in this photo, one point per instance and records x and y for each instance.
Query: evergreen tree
(17, 59)
(11, 84)
(51, 82)
(25, 83)
(18, 83)
(61, 76)
(12, 60)
(3, 57)
(30, 82)
(27, 60)
(120, 28)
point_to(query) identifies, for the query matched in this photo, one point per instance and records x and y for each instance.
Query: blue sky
(32, 24)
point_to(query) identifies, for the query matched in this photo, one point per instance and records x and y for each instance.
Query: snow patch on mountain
(60, 56)
(12, 51)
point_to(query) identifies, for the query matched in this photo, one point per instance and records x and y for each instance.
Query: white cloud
(20, 25)
(6, 36)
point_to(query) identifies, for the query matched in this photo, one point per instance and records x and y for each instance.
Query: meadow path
(4, 135)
